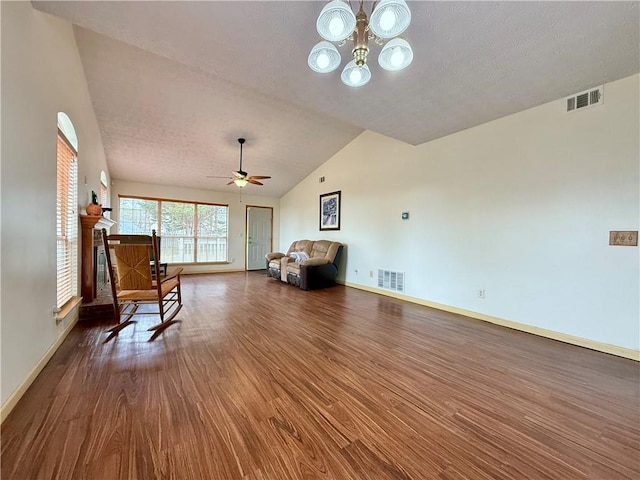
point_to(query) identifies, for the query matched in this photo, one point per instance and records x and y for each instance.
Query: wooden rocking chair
(134, 283)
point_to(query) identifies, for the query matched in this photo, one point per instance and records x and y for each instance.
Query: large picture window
(190, 232)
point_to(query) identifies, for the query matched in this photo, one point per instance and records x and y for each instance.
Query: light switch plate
(627, 238)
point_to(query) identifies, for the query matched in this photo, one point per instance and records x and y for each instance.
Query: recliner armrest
(314, 262)
(273, 256)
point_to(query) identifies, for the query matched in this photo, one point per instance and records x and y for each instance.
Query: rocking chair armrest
(173, 273)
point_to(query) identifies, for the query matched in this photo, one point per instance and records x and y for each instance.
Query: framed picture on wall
(330, 211)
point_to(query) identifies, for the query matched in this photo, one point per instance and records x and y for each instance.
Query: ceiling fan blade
(230, 183)
(216, 176)
(255, 182)
(259, 177)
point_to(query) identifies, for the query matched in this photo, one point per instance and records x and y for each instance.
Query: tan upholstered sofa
(308, 264)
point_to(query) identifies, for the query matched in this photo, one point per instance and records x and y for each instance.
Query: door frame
(246, 233)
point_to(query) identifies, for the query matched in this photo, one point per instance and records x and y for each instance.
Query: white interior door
(258, 236)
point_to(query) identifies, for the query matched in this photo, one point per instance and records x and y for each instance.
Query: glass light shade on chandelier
(240, 182)
(390, 18)
(395, 55)
(324, 57)
(355, 76)
(336, 21)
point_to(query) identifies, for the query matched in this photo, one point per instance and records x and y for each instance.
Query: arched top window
(66, 127)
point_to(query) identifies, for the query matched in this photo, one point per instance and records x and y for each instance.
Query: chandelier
(337, 24)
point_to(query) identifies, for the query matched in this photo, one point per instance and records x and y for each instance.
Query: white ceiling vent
(588, 98)
(391, 280)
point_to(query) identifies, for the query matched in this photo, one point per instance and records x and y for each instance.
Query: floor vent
(588, 98)
(391, 280)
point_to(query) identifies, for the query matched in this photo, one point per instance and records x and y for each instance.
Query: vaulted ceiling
(174, 84)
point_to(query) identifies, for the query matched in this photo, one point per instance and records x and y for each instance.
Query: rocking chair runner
(133, 282)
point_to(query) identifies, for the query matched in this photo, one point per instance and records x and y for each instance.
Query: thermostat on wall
(405, 215)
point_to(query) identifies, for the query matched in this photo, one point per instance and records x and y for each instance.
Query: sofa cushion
(325, 249)
(301, 246)
(293, 267)
(276, 263)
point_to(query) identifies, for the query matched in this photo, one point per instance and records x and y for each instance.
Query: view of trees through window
(189, 232)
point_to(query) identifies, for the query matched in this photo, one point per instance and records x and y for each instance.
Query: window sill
(67, 308)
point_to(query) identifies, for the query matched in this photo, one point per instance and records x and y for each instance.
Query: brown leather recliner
(307, 264)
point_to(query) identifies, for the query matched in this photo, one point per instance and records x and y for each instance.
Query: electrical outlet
(481, 293)
(233, 259)
(371, 273)
(627, 238)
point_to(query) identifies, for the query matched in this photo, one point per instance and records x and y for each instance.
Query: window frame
(195, 204)
(104, 189)
(67, 229)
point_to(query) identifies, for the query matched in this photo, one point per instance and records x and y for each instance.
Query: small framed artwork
(330, 211)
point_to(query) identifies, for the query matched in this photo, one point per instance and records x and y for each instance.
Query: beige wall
(520, 207)
(41, 75)
(237, 214)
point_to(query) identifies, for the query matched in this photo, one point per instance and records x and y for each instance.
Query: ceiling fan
(241, 178)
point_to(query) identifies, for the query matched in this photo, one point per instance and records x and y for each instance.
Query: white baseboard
(542, 332)
(17, 394)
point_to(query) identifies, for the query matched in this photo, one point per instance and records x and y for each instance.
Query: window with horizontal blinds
(103, 195)
(104, 192)
(66, 221)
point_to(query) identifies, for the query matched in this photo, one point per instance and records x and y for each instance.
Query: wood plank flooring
(262, 381)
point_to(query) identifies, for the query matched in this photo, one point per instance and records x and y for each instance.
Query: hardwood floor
(261, 380)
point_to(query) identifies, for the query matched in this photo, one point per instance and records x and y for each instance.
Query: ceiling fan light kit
(240, 177)
(337, 23)
(241, 182)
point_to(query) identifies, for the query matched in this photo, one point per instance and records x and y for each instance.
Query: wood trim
(17, 394)
(158, 199)
(66, 140)
(541, 332)
(67, 308)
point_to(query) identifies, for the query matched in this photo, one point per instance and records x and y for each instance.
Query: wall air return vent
(391, 280)
(588, 98)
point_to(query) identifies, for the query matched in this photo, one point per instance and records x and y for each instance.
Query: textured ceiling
(175, 83)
